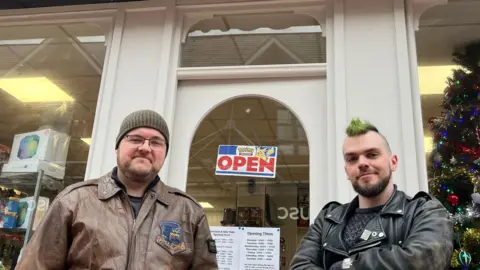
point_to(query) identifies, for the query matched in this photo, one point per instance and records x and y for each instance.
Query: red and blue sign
(247, 160)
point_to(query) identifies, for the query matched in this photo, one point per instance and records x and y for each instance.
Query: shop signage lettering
(247, 160)
(293, 213)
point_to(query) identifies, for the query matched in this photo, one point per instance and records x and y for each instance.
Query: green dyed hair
(358, 127)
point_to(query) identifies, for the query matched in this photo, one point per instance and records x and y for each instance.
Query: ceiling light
(87, 140)
(206, 205)
(36, 89)
(428, 144)
(433, 79)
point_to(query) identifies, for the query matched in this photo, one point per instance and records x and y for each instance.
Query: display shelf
(29, 183)
(26, 182)
(12, 231)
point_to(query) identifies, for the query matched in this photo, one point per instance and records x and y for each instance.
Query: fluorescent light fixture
(87, 140)
(433, 79)
(206, 205)
(36, 89)
(428, 144)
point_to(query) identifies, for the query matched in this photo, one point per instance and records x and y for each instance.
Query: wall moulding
(246, 72)
(420, 6)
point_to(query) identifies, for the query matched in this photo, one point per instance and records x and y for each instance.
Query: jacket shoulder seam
(177, 191)
(422, 195)
(71, 188)
(331, 205)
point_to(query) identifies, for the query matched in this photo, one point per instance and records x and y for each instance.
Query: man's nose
(363, 163)
(145, 146)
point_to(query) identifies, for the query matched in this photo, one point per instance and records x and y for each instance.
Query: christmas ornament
(453, 161)
(453, 199)
(465, 258)
(476, 198)
(438, 157)
(476, 195)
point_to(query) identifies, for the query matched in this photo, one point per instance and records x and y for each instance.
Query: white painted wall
(370, 72)
(136, 78)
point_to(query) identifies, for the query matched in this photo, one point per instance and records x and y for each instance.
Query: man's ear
(394, 162)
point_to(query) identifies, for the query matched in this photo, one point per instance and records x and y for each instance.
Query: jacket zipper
(131, 236)
(364, 247)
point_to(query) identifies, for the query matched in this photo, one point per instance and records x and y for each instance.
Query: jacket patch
(212, 248)
(171, 237)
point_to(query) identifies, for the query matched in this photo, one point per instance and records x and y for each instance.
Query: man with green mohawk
(382, 228)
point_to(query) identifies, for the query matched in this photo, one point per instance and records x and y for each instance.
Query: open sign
(240, 160)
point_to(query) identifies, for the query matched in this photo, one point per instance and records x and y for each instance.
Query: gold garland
(454, 261)
(471, 237)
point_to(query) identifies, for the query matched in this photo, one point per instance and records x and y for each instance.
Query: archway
(252, 199)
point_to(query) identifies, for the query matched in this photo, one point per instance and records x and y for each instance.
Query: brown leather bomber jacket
(90, 225)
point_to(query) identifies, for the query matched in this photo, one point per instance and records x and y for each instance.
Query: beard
(135, 173)
(374, 190)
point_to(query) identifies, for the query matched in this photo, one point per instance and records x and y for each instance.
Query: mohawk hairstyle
(358, 127)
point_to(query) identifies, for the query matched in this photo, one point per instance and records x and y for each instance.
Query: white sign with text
(245, 248)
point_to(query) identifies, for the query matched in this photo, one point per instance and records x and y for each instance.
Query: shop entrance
(281, 114)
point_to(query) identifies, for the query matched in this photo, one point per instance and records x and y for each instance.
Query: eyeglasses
(155, 143)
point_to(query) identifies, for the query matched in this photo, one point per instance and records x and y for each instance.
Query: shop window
(450, 99)
(279, 202)
(254, 39)
(49, 85)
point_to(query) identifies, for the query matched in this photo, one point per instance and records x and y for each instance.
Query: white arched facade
(309, 105)
(370, 72)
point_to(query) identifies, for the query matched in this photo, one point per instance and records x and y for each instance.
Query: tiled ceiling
(54, 52)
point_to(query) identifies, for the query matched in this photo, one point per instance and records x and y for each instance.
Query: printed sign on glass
(247, 160)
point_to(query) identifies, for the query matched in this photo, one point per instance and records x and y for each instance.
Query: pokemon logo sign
(247, 160)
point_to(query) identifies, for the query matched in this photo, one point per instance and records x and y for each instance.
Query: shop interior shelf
(27, 181)
(13, 231)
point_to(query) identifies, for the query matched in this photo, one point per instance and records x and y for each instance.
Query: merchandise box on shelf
(50, 169)
(45, 145)
(25, 211)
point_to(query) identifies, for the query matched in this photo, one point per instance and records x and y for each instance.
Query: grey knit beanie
(143, 118)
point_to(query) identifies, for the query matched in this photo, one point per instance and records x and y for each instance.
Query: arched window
(254, 39)
(257, 200)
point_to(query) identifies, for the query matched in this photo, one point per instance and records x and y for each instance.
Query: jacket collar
(394, 206)
(109, 185)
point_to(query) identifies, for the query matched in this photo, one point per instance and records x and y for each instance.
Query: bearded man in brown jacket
(127, 219)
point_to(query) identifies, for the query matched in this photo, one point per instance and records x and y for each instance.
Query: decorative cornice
(252, 72)
(420, 6)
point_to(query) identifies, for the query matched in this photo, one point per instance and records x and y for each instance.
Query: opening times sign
(247, 248)
(247, 160)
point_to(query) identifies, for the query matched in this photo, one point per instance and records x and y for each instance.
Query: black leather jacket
(408, 234)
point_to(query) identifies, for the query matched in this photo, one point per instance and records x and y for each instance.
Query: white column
(134, 79)
(369, 72)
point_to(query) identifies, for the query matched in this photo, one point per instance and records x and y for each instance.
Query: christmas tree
(455, 161)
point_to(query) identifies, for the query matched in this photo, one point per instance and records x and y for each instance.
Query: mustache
(365, 173)
(142, 156)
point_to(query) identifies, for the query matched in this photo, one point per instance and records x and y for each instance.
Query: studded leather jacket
(408, 234)
(90, 225)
